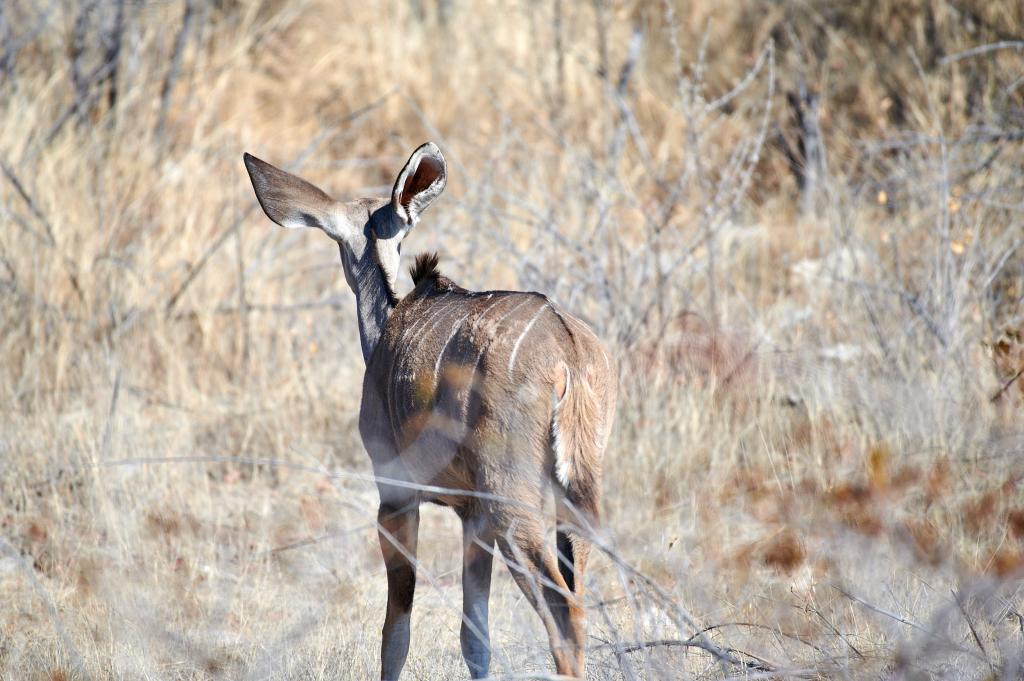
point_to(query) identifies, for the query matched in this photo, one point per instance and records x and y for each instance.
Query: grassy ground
(817, 466)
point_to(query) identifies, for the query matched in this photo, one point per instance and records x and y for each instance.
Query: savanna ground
(797, 223)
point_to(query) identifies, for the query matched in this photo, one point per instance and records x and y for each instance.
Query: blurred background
(798, 224)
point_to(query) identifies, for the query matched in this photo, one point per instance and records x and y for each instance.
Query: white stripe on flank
(440, 355)
(411, 338)
(439, 304)
(408, 332)
(442, 305)
(483, 348)
(497, 324)
(425, 331)
(415, 321)
(515, 348)
(415, 329)
(392, 388)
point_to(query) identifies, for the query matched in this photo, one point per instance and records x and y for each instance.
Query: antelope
(484, 402)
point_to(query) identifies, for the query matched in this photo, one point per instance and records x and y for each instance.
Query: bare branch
(20, 189)
(879, 610)
(177, 54)
(983, 49)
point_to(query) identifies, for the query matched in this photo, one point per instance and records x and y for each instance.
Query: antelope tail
(578, 435)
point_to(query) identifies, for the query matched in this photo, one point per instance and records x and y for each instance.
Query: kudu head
(369, 231)
(364, 228)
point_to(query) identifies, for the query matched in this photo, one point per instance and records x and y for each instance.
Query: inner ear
(421, 181)
(427, 171)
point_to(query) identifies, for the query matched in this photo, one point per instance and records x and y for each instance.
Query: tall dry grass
(833, 189)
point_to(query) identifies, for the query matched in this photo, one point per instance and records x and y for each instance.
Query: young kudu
(483, 402)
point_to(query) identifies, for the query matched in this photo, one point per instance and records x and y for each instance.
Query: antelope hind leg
(535, 569)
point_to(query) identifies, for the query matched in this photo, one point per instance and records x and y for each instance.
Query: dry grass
(182, 489)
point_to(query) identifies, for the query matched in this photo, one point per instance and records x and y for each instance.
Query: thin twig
(81, 83)
(20, 189)
(109, 428)
(879, 610)
(974, 632)
(7, 56)
(759, 664)
(79, 104)
(201, 263)
(333, 302)
(1006, 386)
(841, 635)
(180, 40)
(983, 49)
(23, 222)
(243, 302)
(113, 52)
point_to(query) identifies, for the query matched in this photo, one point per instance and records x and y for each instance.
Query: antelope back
(472, 382)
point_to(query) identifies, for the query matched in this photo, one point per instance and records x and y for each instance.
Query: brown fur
(513, 370)
(484, 402)
(580, 425)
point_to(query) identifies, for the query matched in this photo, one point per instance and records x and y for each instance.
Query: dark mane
(424, 268)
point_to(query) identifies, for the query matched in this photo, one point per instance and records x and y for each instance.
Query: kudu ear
(421, 181)
(288, 200)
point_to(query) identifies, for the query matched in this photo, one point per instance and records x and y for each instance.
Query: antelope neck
(375, 298)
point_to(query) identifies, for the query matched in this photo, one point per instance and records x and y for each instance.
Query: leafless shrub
(182, 492)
